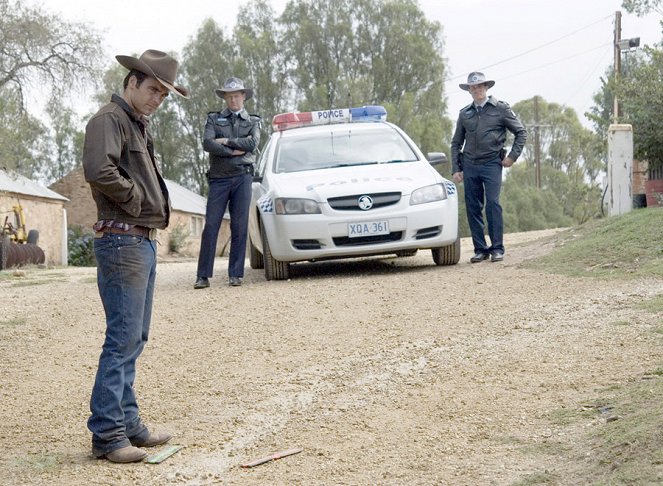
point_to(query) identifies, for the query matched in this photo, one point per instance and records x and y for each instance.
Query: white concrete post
(620, 169)
(65, 239)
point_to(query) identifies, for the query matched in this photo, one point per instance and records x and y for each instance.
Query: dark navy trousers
(483, 183)
(235, 194)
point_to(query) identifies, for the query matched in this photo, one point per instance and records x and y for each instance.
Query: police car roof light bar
(286, 121)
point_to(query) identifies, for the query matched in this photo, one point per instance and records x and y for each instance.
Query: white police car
(346, 183)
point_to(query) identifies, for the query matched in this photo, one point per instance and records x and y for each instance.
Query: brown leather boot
(154, 439)
(126, 454)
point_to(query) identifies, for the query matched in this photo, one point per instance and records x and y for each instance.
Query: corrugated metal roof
(22, 185)
(183, 199)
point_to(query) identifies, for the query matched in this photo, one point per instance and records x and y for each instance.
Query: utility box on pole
(620, 169)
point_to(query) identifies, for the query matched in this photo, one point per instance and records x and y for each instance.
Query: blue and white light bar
(286, 121)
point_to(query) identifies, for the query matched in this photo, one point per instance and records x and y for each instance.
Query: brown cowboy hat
(234, 84)
(475, 78)
(157, 64)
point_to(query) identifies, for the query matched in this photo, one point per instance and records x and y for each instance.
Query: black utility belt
(242, 169)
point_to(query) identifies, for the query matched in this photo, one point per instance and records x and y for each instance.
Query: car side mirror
(437, 158)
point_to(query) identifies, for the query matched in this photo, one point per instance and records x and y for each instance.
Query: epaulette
(255, 119)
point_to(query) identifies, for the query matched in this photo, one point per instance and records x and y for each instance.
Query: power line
(602, 46)
(538, 47)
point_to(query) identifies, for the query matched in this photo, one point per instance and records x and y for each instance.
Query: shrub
(178, 238)
(80, 247)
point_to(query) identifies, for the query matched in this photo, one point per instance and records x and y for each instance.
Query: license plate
(368, 228)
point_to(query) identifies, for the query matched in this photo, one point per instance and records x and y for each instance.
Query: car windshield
(342, 148)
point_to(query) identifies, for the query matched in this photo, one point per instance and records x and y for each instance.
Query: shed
(43, 210)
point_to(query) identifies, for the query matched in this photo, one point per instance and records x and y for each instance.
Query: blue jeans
(484, 182)
(126, 269)
(234, 192)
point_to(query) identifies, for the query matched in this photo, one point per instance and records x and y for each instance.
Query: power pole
(618, 62)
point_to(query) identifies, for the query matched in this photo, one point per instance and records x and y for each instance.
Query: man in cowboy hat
(478, 156)
(132, 203)
(231, 137)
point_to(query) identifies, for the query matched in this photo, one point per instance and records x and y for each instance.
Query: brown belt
(144, 231)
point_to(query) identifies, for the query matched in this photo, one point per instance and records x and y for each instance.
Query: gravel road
(383, 370)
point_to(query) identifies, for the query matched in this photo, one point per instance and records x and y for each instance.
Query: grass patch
(654, 305)
(11, 323)
(537, 478)
(28, 283)
(628, 450)
(626, 444)
(39, 462)
(626, 246)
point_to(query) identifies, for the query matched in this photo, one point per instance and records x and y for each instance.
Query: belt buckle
(152, 234)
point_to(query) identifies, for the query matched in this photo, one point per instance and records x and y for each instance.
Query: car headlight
(427, 194)
(285, 205)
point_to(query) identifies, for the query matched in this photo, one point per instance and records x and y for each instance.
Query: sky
(555, 49)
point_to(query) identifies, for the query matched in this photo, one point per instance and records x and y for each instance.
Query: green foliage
(564, 143)
(527, 208)
(40, 47)
(23, 145)
(67, 140)
(178, 237)
(642, 7)
(623, 246)
(640, 93)
(343, 52)
(80, 247)
(205, 65)
(640, 96)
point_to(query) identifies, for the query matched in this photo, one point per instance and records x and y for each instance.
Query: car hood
(322, 184)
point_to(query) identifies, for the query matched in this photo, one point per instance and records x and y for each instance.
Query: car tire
(255, 257)
(33, 237)
(274, 269)
(406, 253)
(447, 255)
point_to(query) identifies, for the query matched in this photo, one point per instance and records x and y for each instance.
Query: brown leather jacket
(119, 165)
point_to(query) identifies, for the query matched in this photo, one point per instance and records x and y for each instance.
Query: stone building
(43, 210)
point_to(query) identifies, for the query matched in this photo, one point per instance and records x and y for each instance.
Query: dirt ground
(383, 370)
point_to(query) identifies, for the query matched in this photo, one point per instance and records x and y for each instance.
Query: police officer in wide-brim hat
(232, 85)
(475, 78)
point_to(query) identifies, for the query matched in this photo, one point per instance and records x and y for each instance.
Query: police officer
(231, 137)
(478, 155)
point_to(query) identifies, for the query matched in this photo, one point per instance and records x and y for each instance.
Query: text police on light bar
(287, 121)
(344, 183)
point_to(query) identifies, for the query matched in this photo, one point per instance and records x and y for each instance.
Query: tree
(67, 140)
(206, 62)
(640, 92)
(643, 7)
(343, 52)
(563, 142)
(259, 61)
(39, 47)
(23, 140)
